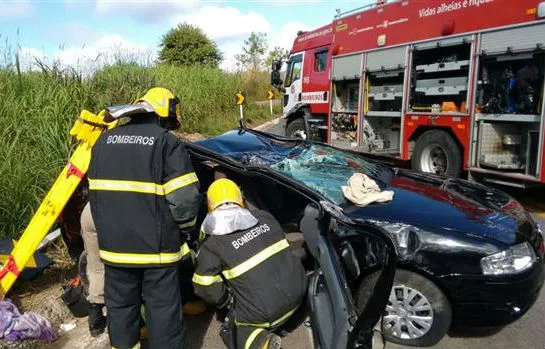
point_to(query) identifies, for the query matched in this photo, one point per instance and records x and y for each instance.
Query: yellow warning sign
(240, 97)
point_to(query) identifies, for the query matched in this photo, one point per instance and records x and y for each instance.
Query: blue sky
(77, 31)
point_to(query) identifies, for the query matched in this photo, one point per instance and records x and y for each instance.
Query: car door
(336, 321)
(330, 306)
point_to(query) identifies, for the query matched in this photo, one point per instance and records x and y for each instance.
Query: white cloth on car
(362, 190)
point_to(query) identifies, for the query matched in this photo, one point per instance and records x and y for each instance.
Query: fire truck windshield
(294, 69)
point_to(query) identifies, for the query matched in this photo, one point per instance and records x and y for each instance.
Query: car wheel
(296, 129)
(417, 314)
(436, 152)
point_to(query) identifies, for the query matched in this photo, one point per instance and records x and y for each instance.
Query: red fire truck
(454, 86)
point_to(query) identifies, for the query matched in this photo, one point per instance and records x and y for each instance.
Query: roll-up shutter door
(347, 67)
(517, 39)
(389, 59)
(444, 42)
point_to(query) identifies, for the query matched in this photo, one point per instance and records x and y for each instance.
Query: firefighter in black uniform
(244, 262)
(144, 196)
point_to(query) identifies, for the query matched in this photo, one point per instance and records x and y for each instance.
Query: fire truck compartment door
(443, 43)
(517, 39)
(389, 59)
(347, 67)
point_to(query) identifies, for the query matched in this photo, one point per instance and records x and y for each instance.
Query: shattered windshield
(326, 169)
(322, 168)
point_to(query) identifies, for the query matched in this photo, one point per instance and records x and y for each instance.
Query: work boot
(97, 320)
(272, 341)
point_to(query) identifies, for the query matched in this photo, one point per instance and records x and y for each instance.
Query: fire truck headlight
(541, 10)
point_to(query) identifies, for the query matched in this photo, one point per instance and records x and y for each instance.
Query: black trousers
(126, 289)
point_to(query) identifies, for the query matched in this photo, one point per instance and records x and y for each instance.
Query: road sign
(270, 96)
(240, 97)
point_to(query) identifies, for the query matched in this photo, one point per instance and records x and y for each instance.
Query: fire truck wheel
(436, 152)
(296, 129)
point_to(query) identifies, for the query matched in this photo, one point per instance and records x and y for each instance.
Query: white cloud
(28, 57)
(224, 22)
(145, 10)
(16, 8)
(286, 35)
(107, 49)
(283, 37)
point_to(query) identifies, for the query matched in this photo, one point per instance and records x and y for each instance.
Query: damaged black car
(462, 253)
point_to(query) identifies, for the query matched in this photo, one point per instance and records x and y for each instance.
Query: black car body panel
(441, 227)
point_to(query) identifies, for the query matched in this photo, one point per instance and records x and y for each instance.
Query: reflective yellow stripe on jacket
(144, 258)
(143, 187)
(189, 224)
(275, 323)
(205, 280)
(252, 262)
(255, 260)
(252, 337)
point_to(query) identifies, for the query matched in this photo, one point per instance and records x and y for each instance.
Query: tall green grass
(37, 110)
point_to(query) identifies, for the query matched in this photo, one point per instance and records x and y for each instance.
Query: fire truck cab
(451, 86)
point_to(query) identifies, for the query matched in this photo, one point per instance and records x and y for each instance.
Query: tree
(253, 51)
(188, 45)
(277, 53)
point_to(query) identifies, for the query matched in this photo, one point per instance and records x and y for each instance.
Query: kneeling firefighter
(246, 253)
(143, 196)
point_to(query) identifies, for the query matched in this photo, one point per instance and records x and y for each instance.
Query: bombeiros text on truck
(454, 87)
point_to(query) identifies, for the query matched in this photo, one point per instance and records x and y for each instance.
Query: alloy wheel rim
(434, 159)
(408, 315)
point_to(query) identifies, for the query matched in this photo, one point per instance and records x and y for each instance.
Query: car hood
(452, 206)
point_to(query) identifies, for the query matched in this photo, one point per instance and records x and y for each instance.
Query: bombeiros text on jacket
(130, 139)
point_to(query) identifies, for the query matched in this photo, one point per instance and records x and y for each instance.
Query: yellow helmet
(164, 103)
(223, 191)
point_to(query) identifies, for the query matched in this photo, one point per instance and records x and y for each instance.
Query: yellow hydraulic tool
(86, 130)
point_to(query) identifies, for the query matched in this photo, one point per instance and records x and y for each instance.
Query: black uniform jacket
(143, 192)
(265, 277)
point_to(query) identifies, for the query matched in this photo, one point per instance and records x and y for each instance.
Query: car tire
(416, 286)
(437, 152)
(297, 129)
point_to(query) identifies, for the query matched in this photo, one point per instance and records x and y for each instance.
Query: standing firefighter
(143, 195)
(246, 253)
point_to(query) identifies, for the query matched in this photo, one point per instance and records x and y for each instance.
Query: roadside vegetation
(39, 106)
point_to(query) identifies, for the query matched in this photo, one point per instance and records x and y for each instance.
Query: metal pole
(241, 112)
(271, 106)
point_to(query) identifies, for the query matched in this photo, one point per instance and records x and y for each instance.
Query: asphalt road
(526, 333)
